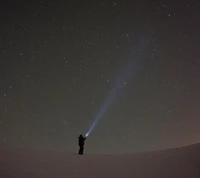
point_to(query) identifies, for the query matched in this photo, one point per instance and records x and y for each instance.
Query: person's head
(81, 135)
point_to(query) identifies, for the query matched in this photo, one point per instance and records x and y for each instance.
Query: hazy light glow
(128, 71)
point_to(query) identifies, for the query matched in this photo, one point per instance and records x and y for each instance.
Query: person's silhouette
(81, 144)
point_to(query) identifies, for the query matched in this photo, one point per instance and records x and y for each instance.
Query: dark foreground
(33, 163)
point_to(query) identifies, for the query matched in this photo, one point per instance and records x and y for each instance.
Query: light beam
(128, 70)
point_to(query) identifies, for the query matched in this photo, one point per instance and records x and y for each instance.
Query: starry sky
(60, 60)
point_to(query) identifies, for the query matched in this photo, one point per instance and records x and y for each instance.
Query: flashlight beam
(127, 72)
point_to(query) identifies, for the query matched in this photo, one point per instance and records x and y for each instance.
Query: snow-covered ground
(33, 163)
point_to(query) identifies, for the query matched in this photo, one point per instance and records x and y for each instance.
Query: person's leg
(79, 150)
(82, 149)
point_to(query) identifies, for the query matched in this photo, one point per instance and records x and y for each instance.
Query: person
(81, 144)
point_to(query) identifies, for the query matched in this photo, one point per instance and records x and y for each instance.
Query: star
(65, 64)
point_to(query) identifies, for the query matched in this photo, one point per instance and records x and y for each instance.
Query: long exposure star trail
(125, 72)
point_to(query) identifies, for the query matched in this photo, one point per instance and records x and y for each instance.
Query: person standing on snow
(81, 144)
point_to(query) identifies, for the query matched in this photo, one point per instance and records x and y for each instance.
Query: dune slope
(32, 163)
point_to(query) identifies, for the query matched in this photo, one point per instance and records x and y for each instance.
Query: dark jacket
(81, 140)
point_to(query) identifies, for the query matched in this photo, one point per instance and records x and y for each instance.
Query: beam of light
(128, 71)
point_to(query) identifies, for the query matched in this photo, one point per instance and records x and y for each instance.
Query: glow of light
(129, 69)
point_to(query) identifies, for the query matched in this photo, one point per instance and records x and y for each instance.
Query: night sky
(61, 60)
